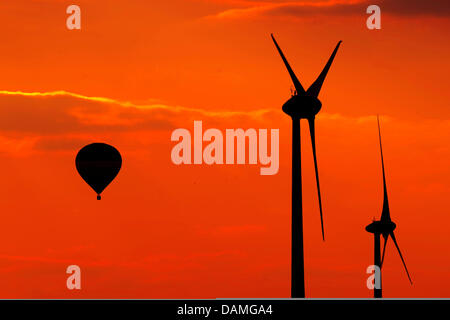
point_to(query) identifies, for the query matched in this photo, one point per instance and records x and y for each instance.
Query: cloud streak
(61, 111)
(58, 120)
(64, 121)
(298, 9)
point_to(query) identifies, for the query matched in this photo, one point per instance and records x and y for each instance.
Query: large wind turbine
(302, 105)
(384, 227)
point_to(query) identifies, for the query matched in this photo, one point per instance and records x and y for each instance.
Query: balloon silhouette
(98, 164)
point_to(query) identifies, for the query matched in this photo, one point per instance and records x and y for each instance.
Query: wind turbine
(302, 105)
(384, 227)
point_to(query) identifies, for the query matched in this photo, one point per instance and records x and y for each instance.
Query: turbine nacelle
(302, 107)
(381, 227)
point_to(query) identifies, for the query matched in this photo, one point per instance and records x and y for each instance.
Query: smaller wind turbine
(384, 227)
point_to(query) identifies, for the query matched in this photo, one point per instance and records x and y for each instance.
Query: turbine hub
(302, 107)
(381, 227)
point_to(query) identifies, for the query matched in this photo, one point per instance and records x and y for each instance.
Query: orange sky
(166, 231)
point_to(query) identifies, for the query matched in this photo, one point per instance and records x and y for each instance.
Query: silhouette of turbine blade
(297, 83)
(386, 238)
(385, 214)
(313, 143)
(314, 89)
(401, 257)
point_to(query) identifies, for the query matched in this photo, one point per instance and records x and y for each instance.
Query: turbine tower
(302, 105)
(384, 227)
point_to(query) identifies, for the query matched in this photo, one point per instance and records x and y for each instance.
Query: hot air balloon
(98, 164)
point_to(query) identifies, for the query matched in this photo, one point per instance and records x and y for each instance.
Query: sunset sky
(137, 70)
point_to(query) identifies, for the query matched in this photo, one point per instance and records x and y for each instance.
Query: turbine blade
(384, 249)
(385, 214)
(314, 89)
(297, 83)
(401, 257)
(313, 143)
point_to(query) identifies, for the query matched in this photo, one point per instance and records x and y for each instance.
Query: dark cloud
(416, 7)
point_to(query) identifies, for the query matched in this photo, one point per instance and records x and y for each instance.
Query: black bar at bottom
(218, 309)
